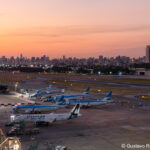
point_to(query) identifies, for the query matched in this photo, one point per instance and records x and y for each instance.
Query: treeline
(143, 65)
(114, 70)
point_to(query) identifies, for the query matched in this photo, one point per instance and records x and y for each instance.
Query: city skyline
(74, 28)
(68, 61)
(62, 57)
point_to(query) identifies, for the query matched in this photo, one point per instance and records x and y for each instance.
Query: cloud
(33, 34)
(104, 29)
(79, 30)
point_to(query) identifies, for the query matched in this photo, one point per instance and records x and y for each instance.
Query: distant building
(148, 54)
(21, 56)
(142, 71)
(64, 57)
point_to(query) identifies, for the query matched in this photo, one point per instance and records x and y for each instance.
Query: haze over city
(74, 28)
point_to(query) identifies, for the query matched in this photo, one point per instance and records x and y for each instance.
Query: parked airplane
(37, 108)
(44, 89)
(43, 94)
(47, 118)
(37, 92)
(87, 103)
(71, 96)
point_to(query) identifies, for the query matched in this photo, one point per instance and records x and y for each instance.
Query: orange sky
(74, 28)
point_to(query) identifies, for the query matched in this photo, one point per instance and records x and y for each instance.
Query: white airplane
(38, 92)
(45, 94)
(68, 97)
(47, 118)
(44, 89)
(37, 108)
(86, 103)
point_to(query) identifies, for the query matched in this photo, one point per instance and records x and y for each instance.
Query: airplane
(39, 91)
(44, 89)
(71, 96)
(87, 103)
(43, 94)
(46, 118)
(36, 108)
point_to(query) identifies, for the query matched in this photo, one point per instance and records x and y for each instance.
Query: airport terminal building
(142, 72)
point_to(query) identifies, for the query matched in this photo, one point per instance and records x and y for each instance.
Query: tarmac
(106, 127)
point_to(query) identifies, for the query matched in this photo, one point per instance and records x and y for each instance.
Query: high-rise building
(21, 56)
(64, 57)
(148, 54)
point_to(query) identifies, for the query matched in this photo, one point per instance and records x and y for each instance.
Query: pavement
(106, 127)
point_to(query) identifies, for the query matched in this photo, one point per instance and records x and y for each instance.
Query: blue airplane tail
(109, 94)
(61, 99)
(38, 91)
(14, 109)
(87, 90)
(108, 97)
(52, 99)
(35, 95)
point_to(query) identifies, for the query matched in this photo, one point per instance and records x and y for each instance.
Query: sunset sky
(79, 28)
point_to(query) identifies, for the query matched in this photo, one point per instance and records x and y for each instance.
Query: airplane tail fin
(87, 91)
(14, 109)
(52, 98)
(61, 99)
(108, 97)
(75, 112)
(37, 91)
(50, 85)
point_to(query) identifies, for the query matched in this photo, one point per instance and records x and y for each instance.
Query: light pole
(16, 85)
(99, 73)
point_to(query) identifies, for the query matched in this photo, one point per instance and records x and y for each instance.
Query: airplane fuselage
(46, 94)
(40, 117)
(85, 103)
(32, 108)
(46, 117)
(68, 97)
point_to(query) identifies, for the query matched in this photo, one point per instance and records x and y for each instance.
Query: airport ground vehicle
(22, 129)
(17, 131)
